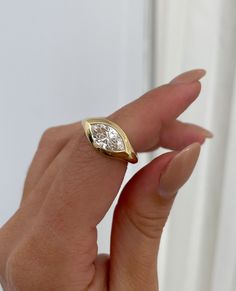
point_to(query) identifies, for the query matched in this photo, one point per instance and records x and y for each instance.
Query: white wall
(61, 61)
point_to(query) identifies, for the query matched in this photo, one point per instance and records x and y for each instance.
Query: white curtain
(199, 248)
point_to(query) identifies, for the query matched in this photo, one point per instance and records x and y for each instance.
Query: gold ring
(108, 138)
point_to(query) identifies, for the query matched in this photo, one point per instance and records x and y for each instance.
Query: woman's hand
(50, 243)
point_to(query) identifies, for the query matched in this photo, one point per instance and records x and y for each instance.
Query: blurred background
(61, 61)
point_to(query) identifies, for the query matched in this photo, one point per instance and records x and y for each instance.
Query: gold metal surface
(128, 154)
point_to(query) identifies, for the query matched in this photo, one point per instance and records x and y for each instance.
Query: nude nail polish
(189, 77)
(207, 133)
(179, 170)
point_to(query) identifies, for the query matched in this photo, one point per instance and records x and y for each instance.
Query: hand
(50, 243)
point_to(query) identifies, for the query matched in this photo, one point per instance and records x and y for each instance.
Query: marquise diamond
(106, 137)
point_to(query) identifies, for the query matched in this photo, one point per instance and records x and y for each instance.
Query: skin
(50, 243)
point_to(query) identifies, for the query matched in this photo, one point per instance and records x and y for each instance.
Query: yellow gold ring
(108, 138)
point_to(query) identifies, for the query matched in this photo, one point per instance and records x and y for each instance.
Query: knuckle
(17, 268)
(48, 137)
(26, 265)
(42, 258)
(150, 224)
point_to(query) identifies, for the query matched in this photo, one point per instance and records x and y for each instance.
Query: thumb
(140, 216)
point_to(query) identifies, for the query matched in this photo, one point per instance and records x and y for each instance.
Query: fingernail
(179, 170)
(206, 133)
(189, 77)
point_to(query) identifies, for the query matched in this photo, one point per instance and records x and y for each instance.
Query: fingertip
(189, 76)
(187, 91)
(179, 170)
(178, 135)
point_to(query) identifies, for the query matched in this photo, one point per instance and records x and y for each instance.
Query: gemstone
(106, 137)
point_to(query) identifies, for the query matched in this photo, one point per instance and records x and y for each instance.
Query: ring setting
(108, 138)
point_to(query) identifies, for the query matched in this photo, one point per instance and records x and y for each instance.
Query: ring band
(108, 138)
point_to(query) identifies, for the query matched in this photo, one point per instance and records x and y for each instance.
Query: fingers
(34, 199)
(154, 110)
(89, 181)
(81, 183)
(140, 216)
(178, 135)
(52, 142)
(51, 153)
(56, 138)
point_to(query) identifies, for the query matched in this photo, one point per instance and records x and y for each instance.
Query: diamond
(106, 137)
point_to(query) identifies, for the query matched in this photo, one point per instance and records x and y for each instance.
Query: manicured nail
(189, 77)
(179, 170)
(206, 133)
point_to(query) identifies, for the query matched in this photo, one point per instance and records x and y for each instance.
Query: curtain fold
(198, 248)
